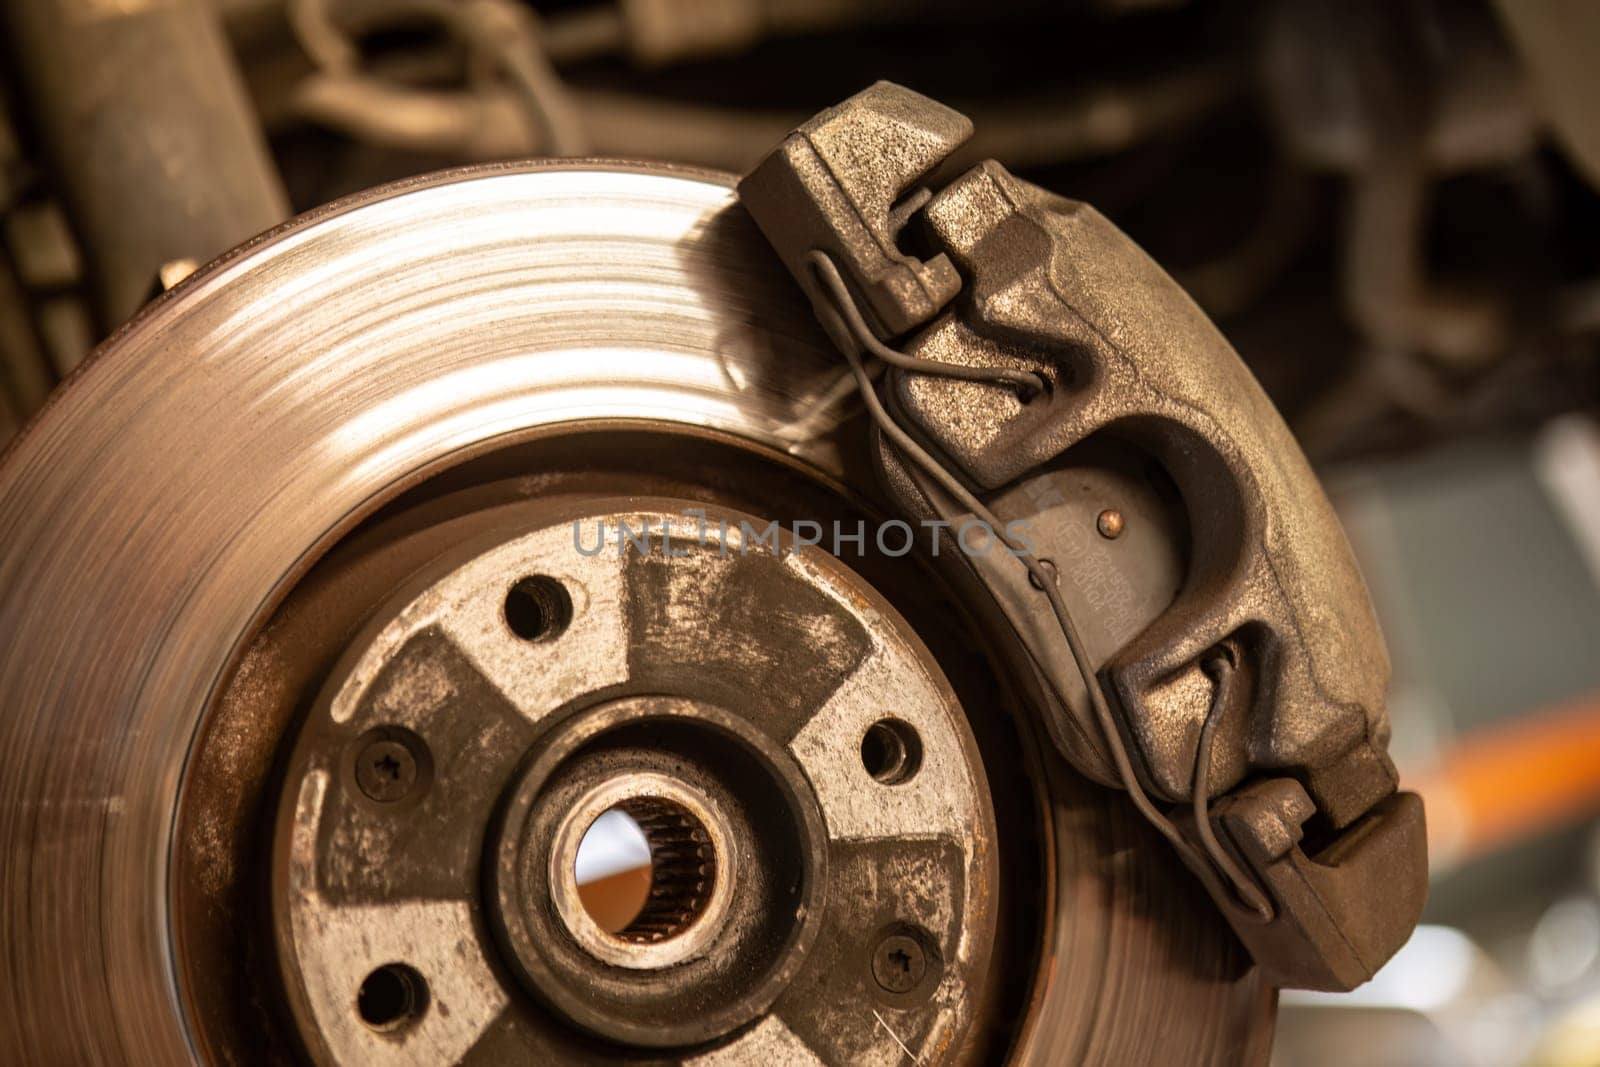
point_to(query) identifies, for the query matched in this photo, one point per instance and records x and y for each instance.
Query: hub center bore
(691, 871)
(738, 863)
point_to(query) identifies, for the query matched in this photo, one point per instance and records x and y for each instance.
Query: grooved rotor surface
(183, 482)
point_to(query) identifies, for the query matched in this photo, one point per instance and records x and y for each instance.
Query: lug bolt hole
(891, 751)
(538, 608)
(392, 997)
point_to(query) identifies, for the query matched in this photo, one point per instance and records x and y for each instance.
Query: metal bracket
(839, 184)
(1020, 278)
(1340, 913)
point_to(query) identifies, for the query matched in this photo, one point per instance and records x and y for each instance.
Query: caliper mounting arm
(1012, 276)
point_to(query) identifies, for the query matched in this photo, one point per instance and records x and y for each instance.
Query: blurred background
(1389, 206)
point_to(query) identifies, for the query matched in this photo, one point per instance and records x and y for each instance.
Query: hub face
(739, 868)
(819, 823)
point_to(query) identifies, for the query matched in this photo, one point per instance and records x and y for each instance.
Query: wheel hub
(779, 733)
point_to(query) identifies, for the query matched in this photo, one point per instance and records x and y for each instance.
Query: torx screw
(899, 963)
(386, 770)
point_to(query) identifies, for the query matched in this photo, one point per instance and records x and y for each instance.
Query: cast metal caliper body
(1288, 740)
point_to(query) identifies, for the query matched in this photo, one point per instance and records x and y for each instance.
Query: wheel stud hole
(538, 608)
(891, 751)
(392, 997)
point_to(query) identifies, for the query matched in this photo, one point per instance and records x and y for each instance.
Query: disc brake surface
(188, 488)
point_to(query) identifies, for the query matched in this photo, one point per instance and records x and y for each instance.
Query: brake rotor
(273, 467)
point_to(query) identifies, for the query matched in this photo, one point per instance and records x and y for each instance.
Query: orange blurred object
(1513, 780)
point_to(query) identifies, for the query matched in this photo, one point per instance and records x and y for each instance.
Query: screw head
(899, 963)
(1110, 524)
(386, 770)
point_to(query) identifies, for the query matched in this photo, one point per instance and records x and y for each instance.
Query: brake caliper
(1249, 689)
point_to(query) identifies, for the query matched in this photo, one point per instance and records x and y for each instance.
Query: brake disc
(308, 686)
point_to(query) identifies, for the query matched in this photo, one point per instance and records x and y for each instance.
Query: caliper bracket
(1020, 278)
